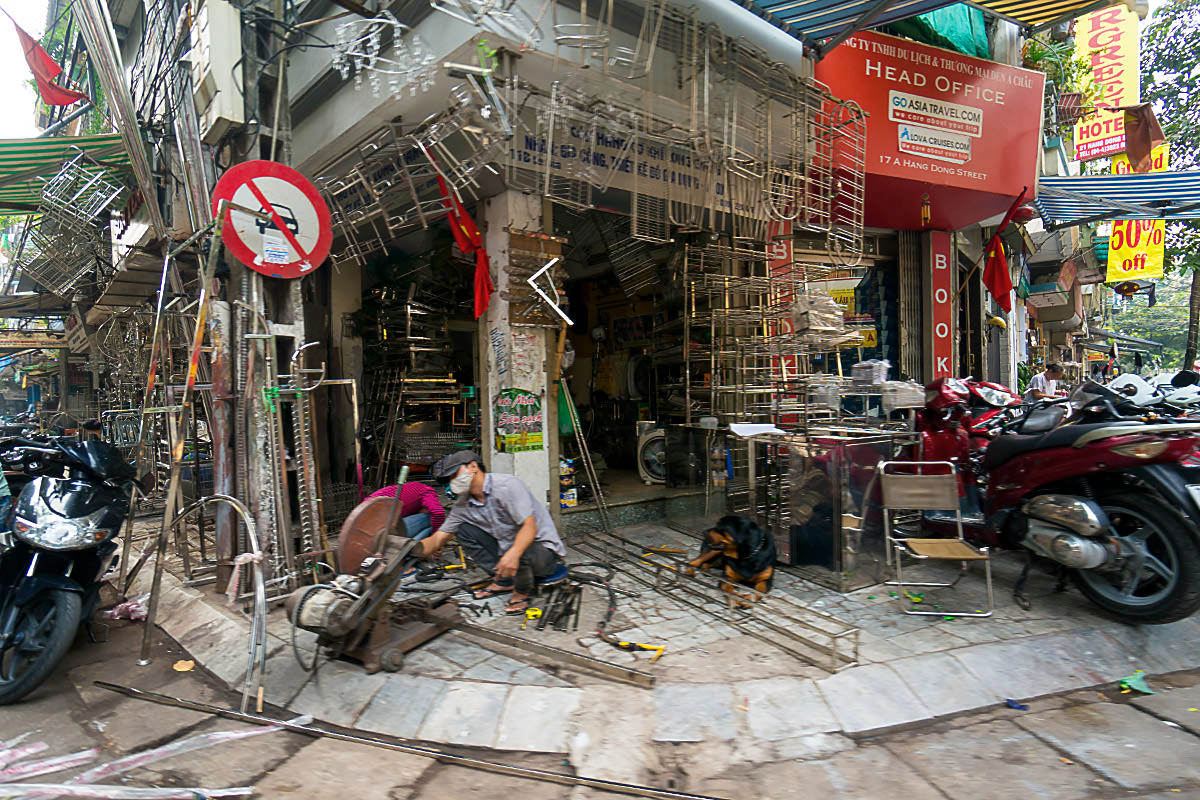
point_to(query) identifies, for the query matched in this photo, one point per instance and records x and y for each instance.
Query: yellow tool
(530, 614)
(462, 562)
(665, 549)
(657, 649)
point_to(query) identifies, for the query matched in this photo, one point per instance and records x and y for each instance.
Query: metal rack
(812, 491)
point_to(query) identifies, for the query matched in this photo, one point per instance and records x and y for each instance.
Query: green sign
(518, 419)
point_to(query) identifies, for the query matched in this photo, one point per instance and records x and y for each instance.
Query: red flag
(469, 240)
(995, 274)
(45, 70)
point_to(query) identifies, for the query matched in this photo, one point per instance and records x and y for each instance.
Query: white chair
(928, 486)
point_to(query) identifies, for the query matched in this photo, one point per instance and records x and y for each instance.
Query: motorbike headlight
(58, 534)
(1142, 450)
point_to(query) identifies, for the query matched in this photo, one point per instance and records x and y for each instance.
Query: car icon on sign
(284, 213)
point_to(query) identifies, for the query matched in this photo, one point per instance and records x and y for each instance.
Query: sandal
(518, 607)
(489, 592)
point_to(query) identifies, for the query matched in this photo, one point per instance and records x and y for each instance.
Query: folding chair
(916, 486)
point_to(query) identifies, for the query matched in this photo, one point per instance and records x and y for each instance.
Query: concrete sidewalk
(721, 700)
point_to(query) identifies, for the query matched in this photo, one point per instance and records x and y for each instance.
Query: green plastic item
(1136, 682)
(958, 27)
(565, 428)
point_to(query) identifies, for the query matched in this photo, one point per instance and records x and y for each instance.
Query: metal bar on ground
(358, 737)
(606, 668)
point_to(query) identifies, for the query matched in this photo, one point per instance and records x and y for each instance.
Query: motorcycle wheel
(45, 631)
(1168, 588)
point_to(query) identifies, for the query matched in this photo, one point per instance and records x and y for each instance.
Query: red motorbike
(1109, 493)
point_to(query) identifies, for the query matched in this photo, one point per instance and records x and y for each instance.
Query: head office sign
(962, 130)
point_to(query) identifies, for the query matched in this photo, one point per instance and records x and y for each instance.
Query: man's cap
(445, 467)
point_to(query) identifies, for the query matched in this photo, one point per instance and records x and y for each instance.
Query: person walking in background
(420, 508)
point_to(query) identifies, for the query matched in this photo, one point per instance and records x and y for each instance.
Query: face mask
(461, 484)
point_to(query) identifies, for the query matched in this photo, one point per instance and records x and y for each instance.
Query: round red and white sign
(296, 239)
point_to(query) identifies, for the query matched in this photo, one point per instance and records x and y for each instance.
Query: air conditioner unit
(216, 42)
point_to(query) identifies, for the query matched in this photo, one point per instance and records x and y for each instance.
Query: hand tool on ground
(531, 614)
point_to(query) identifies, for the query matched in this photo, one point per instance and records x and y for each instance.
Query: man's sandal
(518, 607)
(488, 593)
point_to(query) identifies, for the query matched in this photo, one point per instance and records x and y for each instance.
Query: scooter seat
(1005, 448)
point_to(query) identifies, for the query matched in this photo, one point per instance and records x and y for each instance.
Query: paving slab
(943, 684)
(327, 768)
(868, 772)
(610, 734)
(992, 761)
(402, 704)
(425, 662)
(1131, 748)
(784, 708)
(1038, 665)
(1162, 648)
(237, 763)
(283, 678)
(871, 697)
(121, 723)
(537, 719)
(338, 693)
(1181, 706)
(467, 713)
(451, 648)
(694, 712)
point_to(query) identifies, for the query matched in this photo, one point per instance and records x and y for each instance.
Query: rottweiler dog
(745, 552)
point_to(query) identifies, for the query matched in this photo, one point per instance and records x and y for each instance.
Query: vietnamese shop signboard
(962, 130)
(1108, 40)
(1136, 249)
(23, 340)
(633, 163)
(517, 415)
(939, 302)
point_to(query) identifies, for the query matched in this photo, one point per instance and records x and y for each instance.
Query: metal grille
(909, 265)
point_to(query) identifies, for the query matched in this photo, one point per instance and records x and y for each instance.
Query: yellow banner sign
(1136, 247)
(1108, 40)
(1135, 250)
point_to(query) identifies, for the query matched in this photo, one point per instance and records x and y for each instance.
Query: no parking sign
(296, 239)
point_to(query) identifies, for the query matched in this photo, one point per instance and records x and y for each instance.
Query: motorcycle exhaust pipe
(1067, 548)
(1067, 511)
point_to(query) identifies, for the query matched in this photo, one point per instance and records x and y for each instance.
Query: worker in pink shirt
(419, 508)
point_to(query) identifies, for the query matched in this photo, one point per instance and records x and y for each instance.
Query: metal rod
(606, 668)
(177, 424)
(357, 737)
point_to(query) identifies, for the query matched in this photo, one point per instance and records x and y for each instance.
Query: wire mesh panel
(569, 172)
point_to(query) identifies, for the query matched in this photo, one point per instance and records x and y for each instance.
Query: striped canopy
(823, 24)
(1066, 200)
(24, 163)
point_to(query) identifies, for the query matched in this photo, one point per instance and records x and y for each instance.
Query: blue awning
(823, 24)
(1067, 200)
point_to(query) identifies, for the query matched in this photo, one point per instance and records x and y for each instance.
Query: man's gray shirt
(507, 502)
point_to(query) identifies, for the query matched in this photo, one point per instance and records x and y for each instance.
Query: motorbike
(70, 501)
(1175, 394)
(1108, 492)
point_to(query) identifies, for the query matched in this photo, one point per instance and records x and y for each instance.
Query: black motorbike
(58, 545)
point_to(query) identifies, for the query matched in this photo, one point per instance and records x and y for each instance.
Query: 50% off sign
(1136, 249)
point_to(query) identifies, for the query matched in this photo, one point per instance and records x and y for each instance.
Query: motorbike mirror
(1185, 377)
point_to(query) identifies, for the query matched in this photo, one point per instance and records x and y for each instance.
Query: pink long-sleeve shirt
(415, 498)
